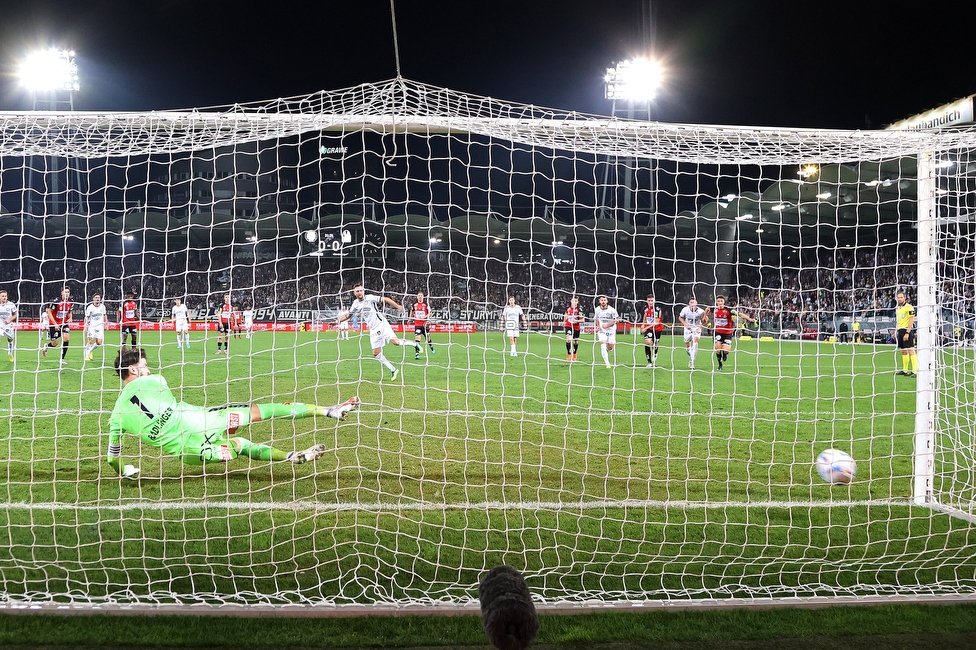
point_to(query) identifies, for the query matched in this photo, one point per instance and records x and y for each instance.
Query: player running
(180, 316)
(197, 435)
(694, 319)
(606, 319)
(572, 324)
(420, 312)
(59, 319)
(225, 320)
(368, 307)
(96, 317)
(248, 314)
(129, 318)
(8, 316)
(510, 318)
(723, 319)
(652, 326)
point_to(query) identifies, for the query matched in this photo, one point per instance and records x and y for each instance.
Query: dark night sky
(825, 63)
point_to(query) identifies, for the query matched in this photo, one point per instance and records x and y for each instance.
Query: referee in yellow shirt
(906, 335)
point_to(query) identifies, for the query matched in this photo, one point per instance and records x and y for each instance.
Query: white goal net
(647, 462)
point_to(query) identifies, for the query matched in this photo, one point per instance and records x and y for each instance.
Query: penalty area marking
(427, 506)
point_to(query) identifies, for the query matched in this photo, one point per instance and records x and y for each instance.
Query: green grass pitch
(627, 482)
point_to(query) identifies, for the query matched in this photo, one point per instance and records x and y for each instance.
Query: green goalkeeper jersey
(147, 408)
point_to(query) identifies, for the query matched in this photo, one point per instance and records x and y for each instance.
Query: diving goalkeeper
(197, 435)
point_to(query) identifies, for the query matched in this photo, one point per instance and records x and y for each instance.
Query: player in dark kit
(59, 323)
(225, 318)
(421, 313)
(572, 323)
(129, 319)
(652, 326)
(724, 320)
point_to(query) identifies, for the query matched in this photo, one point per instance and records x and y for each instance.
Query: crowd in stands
(841, 282)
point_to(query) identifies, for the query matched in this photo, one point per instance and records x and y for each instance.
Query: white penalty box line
(428, 506)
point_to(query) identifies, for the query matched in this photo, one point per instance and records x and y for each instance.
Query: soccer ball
(836, 466)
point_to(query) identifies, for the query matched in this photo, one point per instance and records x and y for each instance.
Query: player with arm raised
(652, 326)
(605, 318)
(369, 308)
(693, 318)
(59, 318)
(421, 314)
(511, 316)
(197, 435)
(96, 317)
(129, 319)
(572, 323)
(723, 319)
(225, 318)
(8, 318)
(180, 316)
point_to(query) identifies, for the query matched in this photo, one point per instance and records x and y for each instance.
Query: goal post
(652, 463)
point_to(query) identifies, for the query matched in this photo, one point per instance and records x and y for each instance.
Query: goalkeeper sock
(293, 410)
(259, 452)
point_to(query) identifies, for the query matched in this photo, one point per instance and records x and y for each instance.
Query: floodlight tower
(51, 76)
(634, 82)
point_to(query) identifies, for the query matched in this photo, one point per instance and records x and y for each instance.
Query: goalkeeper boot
(306, 456)
(340, 411)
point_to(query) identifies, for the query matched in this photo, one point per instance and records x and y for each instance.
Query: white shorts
(97, 333)
(182, 328)
(692, 333)
(248, 325)
(607, 335)
(7, 329)
(382, 336)
(513, 333)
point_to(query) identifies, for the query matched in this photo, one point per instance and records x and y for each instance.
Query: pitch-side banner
(440, 328)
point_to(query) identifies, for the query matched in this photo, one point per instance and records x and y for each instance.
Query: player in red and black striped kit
(652, 326)
(59, 323)
(421, 313)
(225, 320)
(572, 323)
(129, 319)
(724, 323)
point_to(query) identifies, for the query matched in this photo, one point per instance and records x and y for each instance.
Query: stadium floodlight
(49, 70)
(636, 80)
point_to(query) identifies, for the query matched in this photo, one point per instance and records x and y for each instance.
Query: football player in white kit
(511, 316)
(180, 316)
(368, 307)
(95, 319)
(248, 320)
(694, 319)
(8, 316)
(605, 318)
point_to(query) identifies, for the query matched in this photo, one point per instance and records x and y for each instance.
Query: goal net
(647, 463)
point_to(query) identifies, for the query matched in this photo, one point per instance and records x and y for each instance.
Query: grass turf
(627, 482)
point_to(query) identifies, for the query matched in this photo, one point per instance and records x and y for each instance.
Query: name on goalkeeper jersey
(159, 423)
